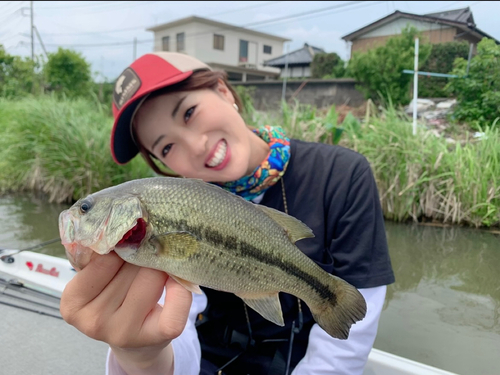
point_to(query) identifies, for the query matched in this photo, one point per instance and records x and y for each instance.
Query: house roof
(460, 15)
(301, 56)
(221, 25)
(460, 18)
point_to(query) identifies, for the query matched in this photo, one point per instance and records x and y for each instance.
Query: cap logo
(125, 87)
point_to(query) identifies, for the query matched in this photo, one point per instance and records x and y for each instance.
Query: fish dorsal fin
(176, 245)
(295, 229)
(267, 305)
(187, 284)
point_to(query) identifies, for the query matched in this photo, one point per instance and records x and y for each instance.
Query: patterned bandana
(271, 169)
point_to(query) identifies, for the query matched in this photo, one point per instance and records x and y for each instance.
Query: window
(180, 42)
(219, 42)
(243, 51)
(268, 49)
(165, 43)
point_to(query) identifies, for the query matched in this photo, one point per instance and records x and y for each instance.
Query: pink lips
(227, 157)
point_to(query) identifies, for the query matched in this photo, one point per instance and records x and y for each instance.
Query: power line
(364, 5)
(260, 23)
(88, 4)
(244, 8)
(115, 6)
(144, 27)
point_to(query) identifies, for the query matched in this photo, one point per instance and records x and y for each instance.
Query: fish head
(99, 223)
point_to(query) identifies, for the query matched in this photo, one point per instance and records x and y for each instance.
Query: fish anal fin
(176, 245)
(267, 305)
(188, 285)
(295, 229)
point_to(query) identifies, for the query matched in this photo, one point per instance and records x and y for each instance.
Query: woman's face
(199, 134)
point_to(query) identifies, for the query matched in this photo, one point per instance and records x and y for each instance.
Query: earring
(236, 107)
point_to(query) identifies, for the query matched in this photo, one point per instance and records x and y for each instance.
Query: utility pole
(32, 36)
(135, 48)
(41, 42)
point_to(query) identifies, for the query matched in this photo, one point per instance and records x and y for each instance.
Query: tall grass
(60, 148)
(426, 176)
(422, 177)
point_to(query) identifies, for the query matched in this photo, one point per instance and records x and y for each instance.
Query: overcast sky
(103, 31)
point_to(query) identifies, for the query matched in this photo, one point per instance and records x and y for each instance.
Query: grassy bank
(420, 178)
(62, 149)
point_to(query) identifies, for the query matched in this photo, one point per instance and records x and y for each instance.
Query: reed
(60, 148)
(425, 177)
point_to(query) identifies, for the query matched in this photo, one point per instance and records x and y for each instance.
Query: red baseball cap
(148, 73)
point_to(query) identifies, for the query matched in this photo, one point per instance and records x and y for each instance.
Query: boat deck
(35, 339)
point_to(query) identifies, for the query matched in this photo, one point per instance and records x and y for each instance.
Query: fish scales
(218, 229)
(203, 235)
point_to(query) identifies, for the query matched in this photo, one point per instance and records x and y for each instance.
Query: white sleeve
(326, 355)
(186, 347)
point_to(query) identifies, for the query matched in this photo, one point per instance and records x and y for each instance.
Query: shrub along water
(61, 147)
(422, 177)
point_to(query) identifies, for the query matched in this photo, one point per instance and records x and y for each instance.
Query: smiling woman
(178, 113)
(205, 80)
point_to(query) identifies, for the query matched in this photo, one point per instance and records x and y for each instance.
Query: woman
(176, 112)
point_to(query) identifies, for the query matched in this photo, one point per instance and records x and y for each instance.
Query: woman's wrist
(145, 361)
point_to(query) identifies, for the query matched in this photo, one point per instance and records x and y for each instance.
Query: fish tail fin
(345, 307)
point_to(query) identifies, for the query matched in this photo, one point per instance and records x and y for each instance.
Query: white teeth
(219, 155)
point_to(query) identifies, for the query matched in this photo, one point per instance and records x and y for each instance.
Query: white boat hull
(48, 274)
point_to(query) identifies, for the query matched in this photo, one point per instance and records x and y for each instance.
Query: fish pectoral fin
(267, 305)
(295, 229)
(177, 245)
(188, 285)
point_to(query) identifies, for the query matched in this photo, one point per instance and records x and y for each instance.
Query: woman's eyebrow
(156, 142)
(176, 108)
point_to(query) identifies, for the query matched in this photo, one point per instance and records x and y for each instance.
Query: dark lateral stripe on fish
(215, 238)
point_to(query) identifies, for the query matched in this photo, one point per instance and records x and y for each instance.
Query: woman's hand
(116, 302)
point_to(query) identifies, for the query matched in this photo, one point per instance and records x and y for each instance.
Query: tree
(17, 75)
(478, 93)
(440, 61)
(67, 72)
(380, 70)
(327, 65)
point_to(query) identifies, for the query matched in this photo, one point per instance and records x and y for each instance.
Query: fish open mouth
(134, 236)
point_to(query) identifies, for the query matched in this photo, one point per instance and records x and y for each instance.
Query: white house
(240, 52)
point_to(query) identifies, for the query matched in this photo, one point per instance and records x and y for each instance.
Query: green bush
(68, 73)
(380, 70)
(478, 94)
(327, 65)
(17, 75)
(440, 61)
(60, 148)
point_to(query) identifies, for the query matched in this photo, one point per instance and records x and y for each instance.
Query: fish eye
(85, 207)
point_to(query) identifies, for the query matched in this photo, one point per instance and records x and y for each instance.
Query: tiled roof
(463, 15)
(301, 56)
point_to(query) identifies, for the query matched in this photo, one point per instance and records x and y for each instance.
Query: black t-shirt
(332, 190)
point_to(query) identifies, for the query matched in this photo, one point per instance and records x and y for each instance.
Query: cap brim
(123, 147)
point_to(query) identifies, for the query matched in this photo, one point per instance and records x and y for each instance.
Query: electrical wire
(144, 27)
(88, 4)
(312, 13)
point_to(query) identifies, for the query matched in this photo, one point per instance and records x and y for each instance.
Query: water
(443, 310)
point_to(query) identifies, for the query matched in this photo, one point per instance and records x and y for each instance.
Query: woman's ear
(223, 90)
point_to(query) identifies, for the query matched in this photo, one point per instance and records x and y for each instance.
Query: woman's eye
(166, 149)
(189, 113)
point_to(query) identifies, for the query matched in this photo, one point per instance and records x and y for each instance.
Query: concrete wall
(199, 41)
(321, 93)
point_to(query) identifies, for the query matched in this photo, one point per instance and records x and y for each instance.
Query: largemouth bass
(201, 234)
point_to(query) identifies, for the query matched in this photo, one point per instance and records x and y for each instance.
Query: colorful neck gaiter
(270, 170)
